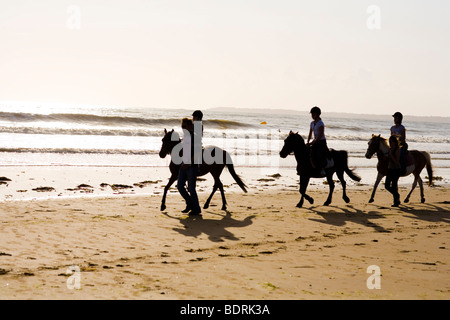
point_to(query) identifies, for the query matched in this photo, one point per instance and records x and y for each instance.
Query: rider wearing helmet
(399, 131)
(319, 148)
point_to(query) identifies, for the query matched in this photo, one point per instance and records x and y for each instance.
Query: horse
(222, 158)
(295, 143)
(416, 161)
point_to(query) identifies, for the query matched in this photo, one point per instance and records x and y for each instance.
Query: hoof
(224, 207)
(206, 206)
(406, 200)
(423, 200)
(371, 200)
(327, 203)
(299, 205)
(346, 199)
(163, 207)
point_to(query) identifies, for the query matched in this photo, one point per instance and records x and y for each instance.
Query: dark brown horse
(295, 143)
(221, 159)
(416, 161)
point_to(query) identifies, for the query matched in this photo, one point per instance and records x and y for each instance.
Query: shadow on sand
(431, 212)
(215, 229)
(339, 216)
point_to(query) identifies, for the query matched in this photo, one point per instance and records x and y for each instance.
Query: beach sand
(263, 247)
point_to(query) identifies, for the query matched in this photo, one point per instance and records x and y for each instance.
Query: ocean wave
(79, 151)
(83, 131)
(421, 139)
(75, 118)
(210, 132)
(233, 152)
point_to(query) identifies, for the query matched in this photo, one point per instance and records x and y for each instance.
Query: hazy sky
(289, 54)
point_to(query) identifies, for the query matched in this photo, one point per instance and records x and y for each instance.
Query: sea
(56, 135)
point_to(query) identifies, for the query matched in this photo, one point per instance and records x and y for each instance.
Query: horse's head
(373, 145)
(169, 141)
(293, 140)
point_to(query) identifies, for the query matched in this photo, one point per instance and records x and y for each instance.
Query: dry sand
(262, 248)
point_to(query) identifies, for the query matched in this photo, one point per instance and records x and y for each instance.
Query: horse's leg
(206, 206)
(166, 188)
(303, 185)
(416, 178)
(375, 186)
(217, 185)
(300, 203)
(216, 172)
(340, 176)
(222, 193)
(331, 185)
(422, 197)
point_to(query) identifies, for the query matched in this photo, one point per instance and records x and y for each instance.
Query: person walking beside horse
(394, 170)
(189, 170)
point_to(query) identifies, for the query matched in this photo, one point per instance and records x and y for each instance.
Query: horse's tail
(348, 171)
(429, 167)
(230, 166)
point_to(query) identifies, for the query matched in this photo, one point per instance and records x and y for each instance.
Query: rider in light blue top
(399, 131)
(319, 148)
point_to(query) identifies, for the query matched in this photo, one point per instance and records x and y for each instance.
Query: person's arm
(187, 152)
(395, 156)
(310, 133)
(403, 136)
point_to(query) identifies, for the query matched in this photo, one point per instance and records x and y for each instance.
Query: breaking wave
(74, 118)
(79, 150)
(232, 131)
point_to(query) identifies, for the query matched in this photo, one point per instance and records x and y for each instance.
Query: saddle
(319, 170)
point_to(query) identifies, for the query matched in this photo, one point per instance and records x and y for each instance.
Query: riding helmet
(316, 110)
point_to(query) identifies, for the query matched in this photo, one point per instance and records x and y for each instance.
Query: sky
(352, 56)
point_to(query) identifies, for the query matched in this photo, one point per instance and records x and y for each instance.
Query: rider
(319, 148)
(399, 131)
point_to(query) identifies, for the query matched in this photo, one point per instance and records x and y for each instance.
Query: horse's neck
(383, 150)
(300, 153)
(173, 145)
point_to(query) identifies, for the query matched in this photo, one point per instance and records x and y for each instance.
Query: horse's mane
(168, 134)
(382, 140)
(296, 135)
